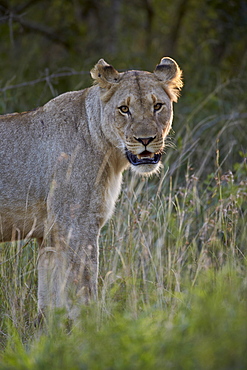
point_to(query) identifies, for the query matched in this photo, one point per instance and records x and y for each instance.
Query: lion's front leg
(67, 274)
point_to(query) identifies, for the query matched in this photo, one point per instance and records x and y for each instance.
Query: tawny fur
(61, 169)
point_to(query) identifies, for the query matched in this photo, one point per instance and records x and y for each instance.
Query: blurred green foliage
(205, 331)
(205, 37)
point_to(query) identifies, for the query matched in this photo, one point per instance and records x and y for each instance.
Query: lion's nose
(145, 140)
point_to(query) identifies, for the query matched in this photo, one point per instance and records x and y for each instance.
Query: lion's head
(137, 110)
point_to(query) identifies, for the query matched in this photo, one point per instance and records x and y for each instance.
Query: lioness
(61, 170)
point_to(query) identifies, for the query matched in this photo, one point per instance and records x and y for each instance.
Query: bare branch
(43, 79)
(20, 8)
(38, 28)
(11, 14)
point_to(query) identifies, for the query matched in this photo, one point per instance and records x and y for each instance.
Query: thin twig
(43, 79)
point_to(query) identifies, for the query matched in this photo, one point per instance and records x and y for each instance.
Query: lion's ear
(169, 72)
(104, 74)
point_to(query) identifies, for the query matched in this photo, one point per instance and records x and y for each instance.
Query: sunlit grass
(172, 282)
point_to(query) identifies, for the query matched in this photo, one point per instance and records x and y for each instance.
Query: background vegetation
(173, 277)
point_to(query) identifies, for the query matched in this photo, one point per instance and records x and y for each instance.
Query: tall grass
(170, 238)
(172, 283)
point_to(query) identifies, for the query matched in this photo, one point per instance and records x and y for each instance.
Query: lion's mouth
(145, 157)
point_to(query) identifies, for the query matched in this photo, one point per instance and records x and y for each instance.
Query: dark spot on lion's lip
(133, 159)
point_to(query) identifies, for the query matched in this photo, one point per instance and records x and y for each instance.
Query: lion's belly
(20, 222)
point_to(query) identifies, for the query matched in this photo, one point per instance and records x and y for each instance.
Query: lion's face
(137, 110)
(142, 119)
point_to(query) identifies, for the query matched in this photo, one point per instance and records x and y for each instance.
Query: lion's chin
(146, 169)
(144, 163)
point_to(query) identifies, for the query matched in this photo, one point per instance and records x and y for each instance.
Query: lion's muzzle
(145, 157)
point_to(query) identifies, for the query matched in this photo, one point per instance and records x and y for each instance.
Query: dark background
(49, 46)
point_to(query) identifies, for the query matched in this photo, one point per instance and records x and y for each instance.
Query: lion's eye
(124, 109)
(158, 107)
